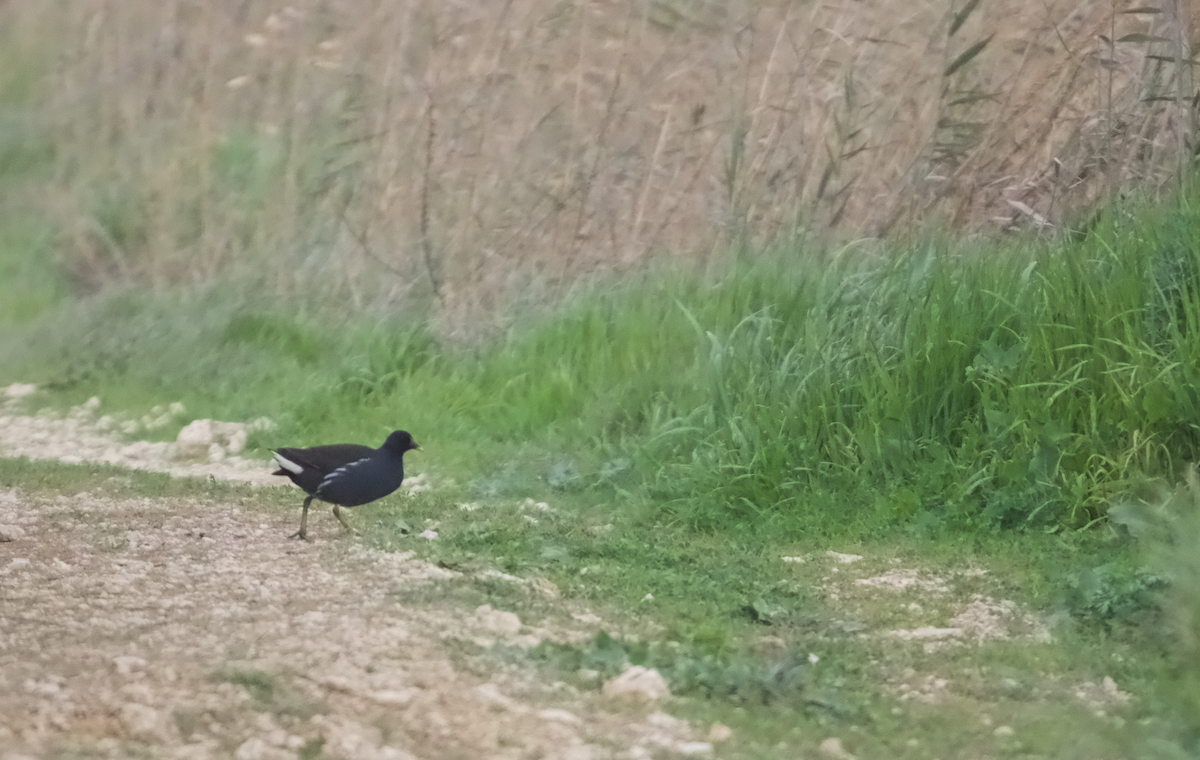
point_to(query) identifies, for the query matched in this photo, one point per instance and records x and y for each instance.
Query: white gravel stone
(498, 621)
(639, 682)
(11, 533)
(832, 747)
(557, 715)
(257, 748)
(490, 694)
(128, 664)
(20, 390)
(691, 749)
(142, 722)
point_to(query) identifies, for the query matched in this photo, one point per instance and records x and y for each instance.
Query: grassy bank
(953, 403)
(934, 386)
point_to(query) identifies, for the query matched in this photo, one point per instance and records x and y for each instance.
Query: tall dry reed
(457, 151)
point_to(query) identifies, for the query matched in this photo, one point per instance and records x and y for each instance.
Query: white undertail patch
(288, 464)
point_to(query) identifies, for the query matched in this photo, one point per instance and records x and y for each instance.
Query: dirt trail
(194, 629)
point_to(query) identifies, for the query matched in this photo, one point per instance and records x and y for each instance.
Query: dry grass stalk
(391, 149)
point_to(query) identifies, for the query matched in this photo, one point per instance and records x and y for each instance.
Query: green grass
(732, 627)
(718, 601)
(945, 386)
(271, 692)
(54, 477)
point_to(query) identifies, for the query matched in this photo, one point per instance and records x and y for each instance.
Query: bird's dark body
(346, 474)
(380, 475)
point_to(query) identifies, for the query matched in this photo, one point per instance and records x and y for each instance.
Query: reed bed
(453, 154)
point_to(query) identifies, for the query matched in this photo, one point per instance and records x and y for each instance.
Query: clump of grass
(736, 678)
(58, 477)
(1164, 522)
(270, 693)
(1006, 389)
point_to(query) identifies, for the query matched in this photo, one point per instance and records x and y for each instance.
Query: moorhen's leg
(338, 514)
(302, 534)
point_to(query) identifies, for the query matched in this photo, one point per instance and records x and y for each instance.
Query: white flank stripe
(288, 464)
(336, 473)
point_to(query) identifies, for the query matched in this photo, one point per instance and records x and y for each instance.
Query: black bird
(345, 474)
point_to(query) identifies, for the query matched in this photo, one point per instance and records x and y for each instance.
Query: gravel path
(194, 629)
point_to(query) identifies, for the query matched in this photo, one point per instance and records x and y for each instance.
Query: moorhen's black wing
(308, 467)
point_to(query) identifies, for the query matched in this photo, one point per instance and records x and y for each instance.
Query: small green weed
(188, 721)
(738, 678)
(1117, 593)
(312, 749)
(271, 693)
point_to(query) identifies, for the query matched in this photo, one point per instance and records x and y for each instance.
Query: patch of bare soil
(194, 629)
